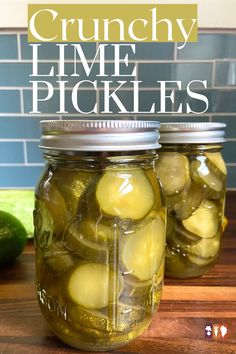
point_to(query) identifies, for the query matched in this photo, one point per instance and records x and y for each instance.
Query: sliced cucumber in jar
(170, 227)
(174, 262)
(88, 318)
(201, 262)
(204, 222)
(142, 251)
(173, 171)
(206, 247)
(136, 289)
(55, 204)
(58, 257)
(125, 193)
(185, 235)
(96, 230)
(80, 245)
(217, 159)
(206, 174)
(93, 285)
(72, 184)
(43, 224)
(188, 201)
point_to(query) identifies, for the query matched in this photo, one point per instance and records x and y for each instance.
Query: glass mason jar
(99, 231)
(193, 174)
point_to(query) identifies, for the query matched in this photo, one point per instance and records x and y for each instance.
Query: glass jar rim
(100, 135)
(192, 133)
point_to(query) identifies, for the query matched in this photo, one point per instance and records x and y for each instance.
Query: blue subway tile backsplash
(34, 153)
(210, 46)
(225, 73)
(213, 59)
(49, 51)
(10, 101)
(8, 47)
(21, 127)
(11, 152)
(185, 72)
(20, 176)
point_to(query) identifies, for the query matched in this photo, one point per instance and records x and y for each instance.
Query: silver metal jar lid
(192, 133)
(99, 135)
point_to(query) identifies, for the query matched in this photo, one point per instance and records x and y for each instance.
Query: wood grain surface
(178, 328)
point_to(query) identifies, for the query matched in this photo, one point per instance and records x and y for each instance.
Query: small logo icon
(208, 330)
(223, 331)
(215, 330)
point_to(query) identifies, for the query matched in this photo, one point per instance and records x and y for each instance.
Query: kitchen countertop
(178, 328)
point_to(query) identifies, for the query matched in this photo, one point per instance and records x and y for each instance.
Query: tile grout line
(213, 74)
(25, 152)
(19, 47)
(21, 164)
(21, 101)
(175, 56)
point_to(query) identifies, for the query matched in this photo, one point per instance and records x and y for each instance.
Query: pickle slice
(207, 174)
(72, 184)
(206, 247)
(136, 289)
(170, 227)
(204, 222)
(217, 159)
(142, 251)
(55, 204)
(84, 247)
(173, 171)
(125, 193)
(187, 201)
(88, 318)
(58, 257)
(43, 224)
(92, 286)
(96, 230)
(174, 264)
(185, 235)
(200, 261)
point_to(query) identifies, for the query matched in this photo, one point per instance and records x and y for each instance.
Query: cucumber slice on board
(92, 286)
(207, 174)
(204, 222)
(142, 251)
(173, 171)
(125, 193)
(217, 159)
